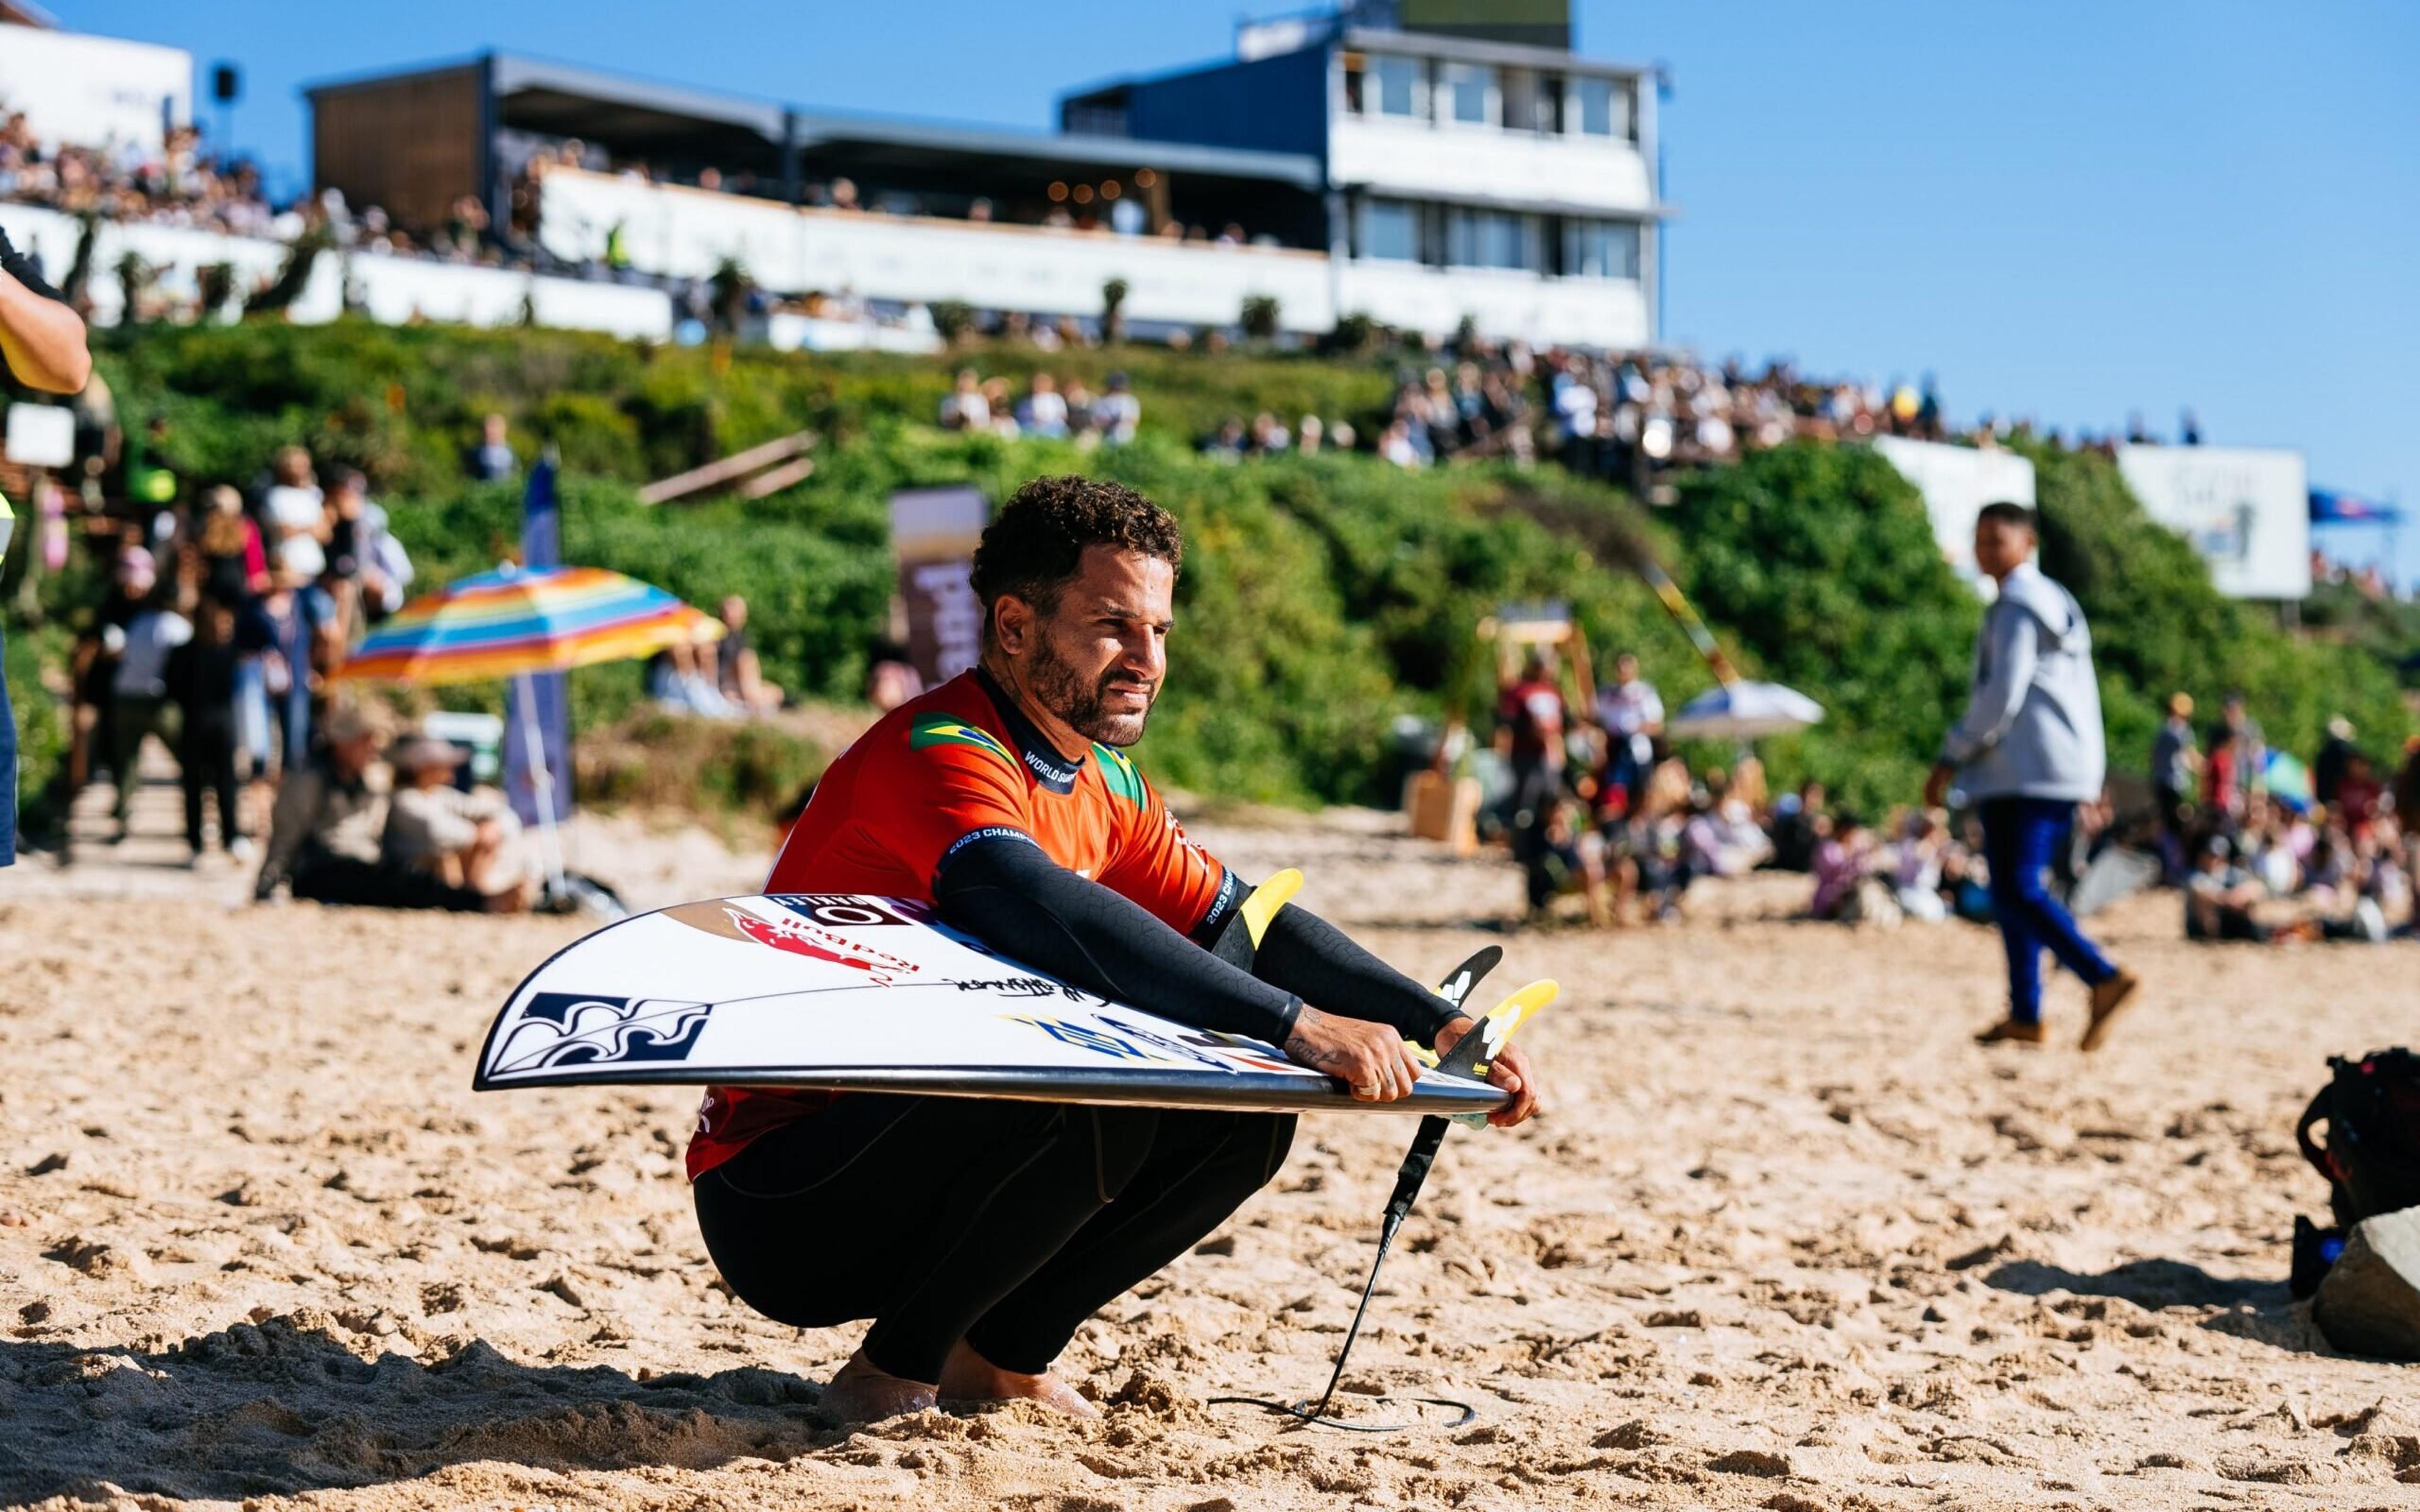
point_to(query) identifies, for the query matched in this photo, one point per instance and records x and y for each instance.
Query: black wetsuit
(1005, 1224)
(1008, 1224)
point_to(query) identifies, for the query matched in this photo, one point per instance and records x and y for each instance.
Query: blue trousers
(2020, 836)
(7, 751)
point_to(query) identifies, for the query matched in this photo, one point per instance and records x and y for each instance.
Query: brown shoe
(2014, 1032)
(2108, 1000)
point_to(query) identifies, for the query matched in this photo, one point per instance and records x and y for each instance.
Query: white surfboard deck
(849, 992)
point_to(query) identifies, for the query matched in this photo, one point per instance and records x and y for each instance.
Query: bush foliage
(1323, 596)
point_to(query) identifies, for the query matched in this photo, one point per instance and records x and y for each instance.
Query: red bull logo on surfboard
(798, 936)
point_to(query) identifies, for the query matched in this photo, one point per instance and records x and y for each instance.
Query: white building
(1508, 182)
(92, 91)
(1335, 168)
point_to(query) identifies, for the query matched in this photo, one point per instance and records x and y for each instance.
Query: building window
(1094, 118)
(1601, 249)
(1491, 238)
(1391, 229)
(1599, 107)
(1401, 86)
(1526, 104)
(1469, 93)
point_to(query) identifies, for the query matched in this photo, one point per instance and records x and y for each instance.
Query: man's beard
(1062, 689)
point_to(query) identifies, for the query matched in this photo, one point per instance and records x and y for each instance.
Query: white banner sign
(94, 91)
(2246, 511)
(40, 435)
(1957, 482)
(933, 535)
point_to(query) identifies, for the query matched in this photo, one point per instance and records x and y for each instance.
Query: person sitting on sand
(1915, 868)
(2220, 897)
(739, 672)
(980, 1235)
(1843, 859)
(462, 839)
(325, 834)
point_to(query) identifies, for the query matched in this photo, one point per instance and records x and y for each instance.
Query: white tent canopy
(1744, 711)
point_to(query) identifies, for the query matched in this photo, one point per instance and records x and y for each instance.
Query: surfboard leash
(1470, 1057)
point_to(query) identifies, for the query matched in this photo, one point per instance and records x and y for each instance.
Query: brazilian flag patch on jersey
(946, 730)
(1120, 773)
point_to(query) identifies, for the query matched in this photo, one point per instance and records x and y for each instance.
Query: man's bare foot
(859, 1392)
(2107, 1000)
(968, 1377)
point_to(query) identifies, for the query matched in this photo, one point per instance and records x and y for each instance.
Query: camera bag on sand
(2372, 1155)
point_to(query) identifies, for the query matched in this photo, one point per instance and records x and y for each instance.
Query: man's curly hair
(1033, 546)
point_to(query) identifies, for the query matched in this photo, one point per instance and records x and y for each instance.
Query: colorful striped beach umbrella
(515, 620)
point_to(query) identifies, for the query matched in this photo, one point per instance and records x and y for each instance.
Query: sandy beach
(1785, 1239)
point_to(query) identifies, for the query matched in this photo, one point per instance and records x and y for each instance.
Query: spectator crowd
(1595, 802)
(1046, 408)
(1621, 415)
(2266, 848)
(179, 184)
(218, 633)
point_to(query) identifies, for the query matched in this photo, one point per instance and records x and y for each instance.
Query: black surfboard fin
(1465, 978)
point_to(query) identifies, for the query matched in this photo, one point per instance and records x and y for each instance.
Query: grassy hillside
(1323, 596)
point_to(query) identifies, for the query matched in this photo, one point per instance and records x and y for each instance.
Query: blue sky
(2065, 208)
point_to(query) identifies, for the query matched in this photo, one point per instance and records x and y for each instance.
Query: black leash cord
(1303, 1410)
(1408, 1182)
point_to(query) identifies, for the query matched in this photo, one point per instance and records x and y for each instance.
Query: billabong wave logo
(560, 1030)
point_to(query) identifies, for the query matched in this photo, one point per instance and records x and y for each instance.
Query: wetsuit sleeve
(21, 267)
(1172, 877)
(1002, 890)
(1312, 959)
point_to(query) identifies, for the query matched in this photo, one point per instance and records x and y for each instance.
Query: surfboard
(853, 993)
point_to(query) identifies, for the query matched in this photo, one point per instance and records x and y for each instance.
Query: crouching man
(979, 1235)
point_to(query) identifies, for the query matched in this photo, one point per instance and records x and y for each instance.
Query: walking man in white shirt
(2028, 750)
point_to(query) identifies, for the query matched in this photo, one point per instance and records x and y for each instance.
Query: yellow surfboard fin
(1268, 899)
(1475, 1050)
(1505, 1016)
(1518, 1010)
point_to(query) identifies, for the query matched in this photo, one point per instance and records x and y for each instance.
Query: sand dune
(1785, 1240)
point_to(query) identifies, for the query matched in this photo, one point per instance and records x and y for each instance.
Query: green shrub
(1323, 596)
(1818, 564)
(42, 725)
(952, 319)
(650, 759)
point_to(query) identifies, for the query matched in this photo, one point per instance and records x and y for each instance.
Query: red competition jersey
(959, 765)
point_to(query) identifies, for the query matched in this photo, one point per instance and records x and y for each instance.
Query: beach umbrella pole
(541, 781)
